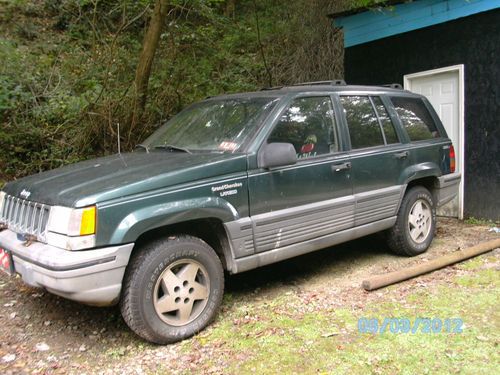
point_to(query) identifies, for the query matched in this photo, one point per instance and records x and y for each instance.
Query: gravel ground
(42, 333)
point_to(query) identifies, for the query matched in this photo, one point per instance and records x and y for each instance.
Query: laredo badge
(227, 189)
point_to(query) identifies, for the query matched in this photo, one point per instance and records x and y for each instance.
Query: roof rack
(394, 86)
(335, 82)
(271, 88)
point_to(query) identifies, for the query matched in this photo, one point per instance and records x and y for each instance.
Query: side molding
(303, 227)
(277, 255)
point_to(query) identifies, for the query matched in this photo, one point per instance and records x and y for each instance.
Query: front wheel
(414, 229)
(172, 289)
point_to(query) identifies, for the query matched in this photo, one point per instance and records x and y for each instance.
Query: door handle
(401, 155)
(341, 167)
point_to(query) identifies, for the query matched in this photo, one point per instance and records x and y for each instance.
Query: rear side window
(385, 121)
(368, 121)
(415, 118)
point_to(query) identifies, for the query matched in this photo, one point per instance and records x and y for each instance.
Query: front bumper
(447, 188)
(93, 277)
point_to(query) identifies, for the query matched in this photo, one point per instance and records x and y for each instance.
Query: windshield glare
(214, 125)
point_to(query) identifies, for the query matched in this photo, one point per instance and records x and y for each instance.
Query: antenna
(119, 146)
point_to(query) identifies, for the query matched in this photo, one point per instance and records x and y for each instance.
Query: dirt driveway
(42, 333)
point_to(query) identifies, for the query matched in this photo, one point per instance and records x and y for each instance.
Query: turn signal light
(88, 221)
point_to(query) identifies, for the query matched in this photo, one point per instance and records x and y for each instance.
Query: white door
(443, 89)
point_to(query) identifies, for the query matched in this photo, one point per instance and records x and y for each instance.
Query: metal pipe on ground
(381, 281)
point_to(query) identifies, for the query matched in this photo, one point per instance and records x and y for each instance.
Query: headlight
(72, 222)
(72, 228)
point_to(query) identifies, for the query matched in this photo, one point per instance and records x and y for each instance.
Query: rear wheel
(414, 229)
(172, 289)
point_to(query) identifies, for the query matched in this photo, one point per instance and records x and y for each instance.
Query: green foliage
(475, 221)
(68, 66)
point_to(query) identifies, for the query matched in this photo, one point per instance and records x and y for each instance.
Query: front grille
(25, 217)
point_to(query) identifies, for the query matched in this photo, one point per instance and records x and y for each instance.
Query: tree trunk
(230, 8)
(146, 58)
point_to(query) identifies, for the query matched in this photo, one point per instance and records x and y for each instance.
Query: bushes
(68, 67)
(39, 110)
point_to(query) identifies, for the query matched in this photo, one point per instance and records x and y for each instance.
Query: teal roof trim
(384, 22)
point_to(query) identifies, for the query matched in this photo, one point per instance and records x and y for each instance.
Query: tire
(414, 229)
(172, 289)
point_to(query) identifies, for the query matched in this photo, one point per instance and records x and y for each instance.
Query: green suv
(230, 184)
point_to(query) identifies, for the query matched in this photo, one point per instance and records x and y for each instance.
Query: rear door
(312, 198)
(429, 145)
(377, 155)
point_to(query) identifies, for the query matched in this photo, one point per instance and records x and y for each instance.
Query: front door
(442, 88)
(312, 198)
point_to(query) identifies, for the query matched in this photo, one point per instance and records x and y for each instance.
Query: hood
(115, 176)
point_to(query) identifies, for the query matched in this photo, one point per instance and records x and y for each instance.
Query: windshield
(214, 125)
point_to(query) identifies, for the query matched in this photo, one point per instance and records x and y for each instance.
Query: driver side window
(309, 125)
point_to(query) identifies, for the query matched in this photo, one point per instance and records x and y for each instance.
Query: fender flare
(418, 171)
(159, 215)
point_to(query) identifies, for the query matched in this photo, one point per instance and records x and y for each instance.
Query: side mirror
(277, 155)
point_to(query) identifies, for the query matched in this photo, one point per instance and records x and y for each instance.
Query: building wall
(475, 42)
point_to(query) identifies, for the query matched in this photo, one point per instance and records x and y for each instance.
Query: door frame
(460, 69)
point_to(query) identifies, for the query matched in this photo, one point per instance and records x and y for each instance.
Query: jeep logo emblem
(25, 194)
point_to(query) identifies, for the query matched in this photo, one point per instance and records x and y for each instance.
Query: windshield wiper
(173, 148)
(140, 145)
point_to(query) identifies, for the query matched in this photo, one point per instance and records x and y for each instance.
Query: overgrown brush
(67, 68)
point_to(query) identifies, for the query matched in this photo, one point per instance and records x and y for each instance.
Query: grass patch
(472, 264)
(475, 221)
(281, 336)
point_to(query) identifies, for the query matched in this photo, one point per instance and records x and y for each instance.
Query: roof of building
(396, 17)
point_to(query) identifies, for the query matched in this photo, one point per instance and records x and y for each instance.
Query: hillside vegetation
(67, 67)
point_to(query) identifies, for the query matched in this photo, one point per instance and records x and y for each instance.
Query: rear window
(415, 118)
